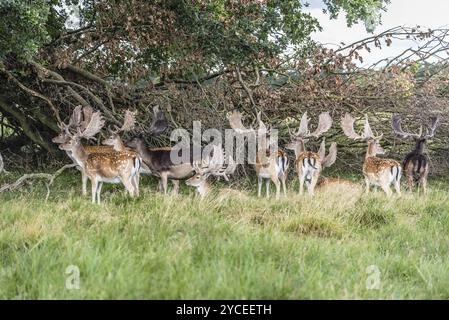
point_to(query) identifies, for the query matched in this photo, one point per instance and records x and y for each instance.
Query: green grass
(240, 247)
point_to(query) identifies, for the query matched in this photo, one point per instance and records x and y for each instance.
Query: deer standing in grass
(416, 162)
(309, 164)
(158, 160)
(377, 171)
(109, 167)
(270, 166)
(79, 120)
(210, 166)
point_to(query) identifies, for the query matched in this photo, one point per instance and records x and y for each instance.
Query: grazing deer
(79, 119)
(110, 167)
(309, 164)
(208, 166)
(416, 162)
(270, 166)
(377, 171)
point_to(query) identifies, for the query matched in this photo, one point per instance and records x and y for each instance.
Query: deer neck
(119, 145)
(371, 150)
(300, 148)
(79, 154)
(420, 146)
(203, 189)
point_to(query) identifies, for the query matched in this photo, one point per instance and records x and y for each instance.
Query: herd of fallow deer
(122, 162)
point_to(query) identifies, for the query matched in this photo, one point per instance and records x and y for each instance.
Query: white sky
(425, 13)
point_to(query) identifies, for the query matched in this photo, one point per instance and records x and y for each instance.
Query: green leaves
(23, 27)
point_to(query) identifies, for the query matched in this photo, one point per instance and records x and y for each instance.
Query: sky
(425, 13)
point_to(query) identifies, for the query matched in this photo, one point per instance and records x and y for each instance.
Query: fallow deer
(377, 171)
(416, 162)
(208, 166)
(269, 165)
(79, 119)
(309, 164)
(158, 160)
(111, 167)
(116, 142)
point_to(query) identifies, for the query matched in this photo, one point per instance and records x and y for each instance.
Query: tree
(120, 54)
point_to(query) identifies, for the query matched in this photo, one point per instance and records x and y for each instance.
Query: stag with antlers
(270, 165)
(210, 166)
(110, 167)
(416, 162)
(309, 164)
(79, 120)
(377, 171)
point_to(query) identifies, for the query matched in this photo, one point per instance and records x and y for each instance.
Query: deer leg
(367, 183)
(276, 182)
(311, 186)
(94, 185)
(84, 182)
(267, 187)
(164, 180)
(259, 186)
(175, 186)
(100, 185)
(284, 187)
(386, 188)
(128, 185)
(301, 184)
(410, 181)
(397, 187)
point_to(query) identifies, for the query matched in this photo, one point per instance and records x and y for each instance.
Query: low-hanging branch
(47, 177)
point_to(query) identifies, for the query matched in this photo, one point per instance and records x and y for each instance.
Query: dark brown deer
(416, 162)
(158, 160)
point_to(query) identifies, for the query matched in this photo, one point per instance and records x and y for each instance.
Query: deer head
(214, 166)
(300, 137)
(129, 122)
(88, 130)
(374, 147)
(74, 122)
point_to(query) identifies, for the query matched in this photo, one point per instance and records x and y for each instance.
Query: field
(337, 245)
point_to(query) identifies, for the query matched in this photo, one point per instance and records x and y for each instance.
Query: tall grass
(169, 247)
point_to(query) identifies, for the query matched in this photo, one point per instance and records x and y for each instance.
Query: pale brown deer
(109, 167)
(271, 166)
(377, 171)
(210, 166)
(78, 120)
(416, 162)
(309, 164)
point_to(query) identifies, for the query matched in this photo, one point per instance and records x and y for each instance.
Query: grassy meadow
(234, 247)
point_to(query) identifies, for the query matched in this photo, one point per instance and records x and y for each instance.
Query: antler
(76, 116)
(397, 128)
(216, 165)
(94, 126)
(324, 124)
(235, 121)
(347, 124)
(331, 157)
(433, 127)
(159, 123)
(129, 122)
